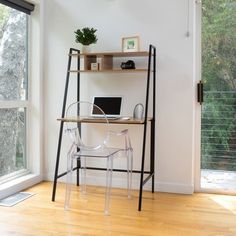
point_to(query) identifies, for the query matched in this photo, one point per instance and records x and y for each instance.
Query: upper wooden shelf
(103, 61)
(113, 54)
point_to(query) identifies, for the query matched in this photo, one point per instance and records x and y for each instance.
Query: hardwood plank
(163, 214)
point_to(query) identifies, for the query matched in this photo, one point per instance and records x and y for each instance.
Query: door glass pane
(13, 87)
(12, 141)
(218, 131)
(13, 54)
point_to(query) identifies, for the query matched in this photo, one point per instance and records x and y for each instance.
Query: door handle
(200, 92)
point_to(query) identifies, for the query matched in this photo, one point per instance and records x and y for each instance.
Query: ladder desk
(106, 66)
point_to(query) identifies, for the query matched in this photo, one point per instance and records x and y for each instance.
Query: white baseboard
(121, 183)
(19, 184)
(174, 188)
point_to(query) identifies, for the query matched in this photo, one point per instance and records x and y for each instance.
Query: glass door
(218, 114)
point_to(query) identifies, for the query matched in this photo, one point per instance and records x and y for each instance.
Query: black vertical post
(153, 123)
(152, 153)
(145, 130)
(62, 123)
(78, 99)
(61, 126)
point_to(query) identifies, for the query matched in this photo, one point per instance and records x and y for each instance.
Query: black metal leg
(152, 161)
(61, 127)
(77, 171)
(154, 119)
(141, 178)
(57, 163)
(78, 125)
(145, 129)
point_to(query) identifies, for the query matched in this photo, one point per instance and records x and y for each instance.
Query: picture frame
(130, 44)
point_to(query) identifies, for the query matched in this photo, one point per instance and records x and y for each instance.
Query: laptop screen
(110, 105)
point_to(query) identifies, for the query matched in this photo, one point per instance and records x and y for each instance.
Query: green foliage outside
(4, 14)
(219, 77)
(12, 72)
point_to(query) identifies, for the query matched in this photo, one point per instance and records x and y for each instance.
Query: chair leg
(129, 171)
(108, 184)
(70, 160)
(83, 174)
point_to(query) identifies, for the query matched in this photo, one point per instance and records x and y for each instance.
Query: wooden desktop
(119, 120)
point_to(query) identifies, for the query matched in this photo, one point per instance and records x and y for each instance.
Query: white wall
(159, 22)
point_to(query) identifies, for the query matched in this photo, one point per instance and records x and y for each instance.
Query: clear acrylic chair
(87, 146)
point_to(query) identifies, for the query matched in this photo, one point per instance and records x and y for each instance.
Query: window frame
(6, 104)
(20, 5)
(34, 115)
(198, 56)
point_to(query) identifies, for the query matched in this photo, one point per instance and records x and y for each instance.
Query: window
(13, 92)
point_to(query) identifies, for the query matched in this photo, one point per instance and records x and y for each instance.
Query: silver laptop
(110, 105)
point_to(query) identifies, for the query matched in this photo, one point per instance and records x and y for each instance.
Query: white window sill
(18, 184)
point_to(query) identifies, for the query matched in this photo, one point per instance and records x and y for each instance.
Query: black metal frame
(151, 172)
(56, 176)
(152, 52)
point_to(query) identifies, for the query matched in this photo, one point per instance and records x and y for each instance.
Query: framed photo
(130, 44)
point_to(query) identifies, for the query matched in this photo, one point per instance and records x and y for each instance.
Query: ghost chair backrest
(86, 131)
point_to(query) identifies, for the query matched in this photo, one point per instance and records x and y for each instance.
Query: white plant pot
(86, 48)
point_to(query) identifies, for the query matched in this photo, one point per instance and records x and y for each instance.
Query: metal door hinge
(200, 92)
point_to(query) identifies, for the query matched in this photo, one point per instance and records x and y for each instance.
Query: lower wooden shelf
(110, 71)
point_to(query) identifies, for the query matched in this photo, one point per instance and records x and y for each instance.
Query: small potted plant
(86, 36)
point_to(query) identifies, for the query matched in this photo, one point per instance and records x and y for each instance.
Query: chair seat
(101, 152)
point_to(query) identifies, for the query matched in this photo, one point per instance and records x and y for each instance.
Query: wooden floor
(163, 214)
